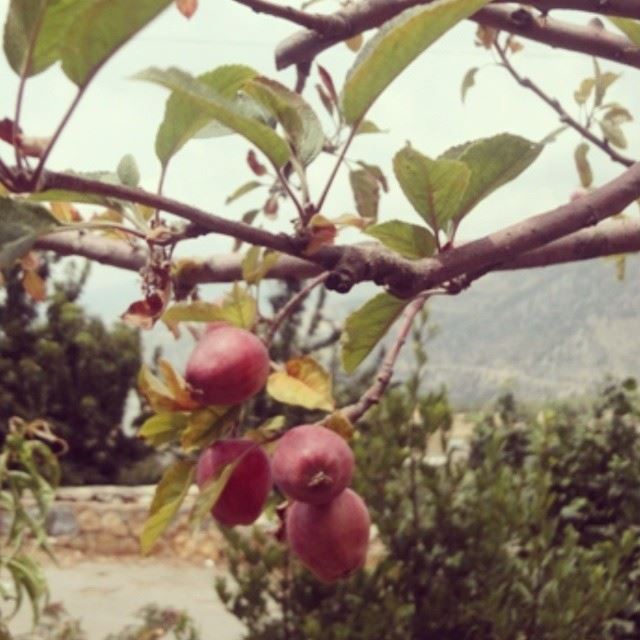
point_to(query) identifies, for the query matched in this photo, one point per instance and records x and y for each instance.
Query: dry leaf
(187, 7)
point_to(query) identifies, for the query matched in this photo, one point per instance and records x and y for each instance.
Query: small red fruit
(312, 464)
(246, 491)
(228, 365)
(331, 540)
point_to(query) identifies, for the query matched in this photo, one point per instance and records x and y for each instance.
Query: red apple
(312, 464)
(227, 366)
(246, 491)
(331, 540)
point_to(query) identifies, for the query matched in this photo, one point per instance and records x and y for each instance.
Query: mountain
(543, 333)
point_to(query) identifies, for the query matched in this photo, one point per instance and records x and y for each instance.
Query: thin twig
(291, 304)
(373, 394)
(287, 187)
(339, 160)
(61, 126)
(565, 118)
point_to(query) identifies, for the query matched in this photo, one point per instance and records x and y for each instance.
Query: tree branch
(565, 118)
(305, 45)
(291, 304)
(350, 264)
(373, 394)
(316, 21)
(608, 239)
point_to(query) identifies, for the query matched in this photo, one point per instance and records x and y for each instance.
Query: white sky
(118, 116)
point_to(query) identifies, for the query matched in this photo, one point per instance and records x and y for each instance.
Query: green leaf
(582, 93)
(613, 133)
(366, 192)
(468, 81)
(582, 164)
(170, 493)
(210, 493)
(206, 425)
(398, 43)
(409, 240)
(367, 126)
(99, 28)
(22, 28)
(493, 163)
(29, 576)
(366, 326)
(434, 187)
(238, 308)
(257, 263)
(163, 428)
(297, 118)
(303, 383)
(186, 118)
(21, 224)
(631, 28)
(241, 190)
(128, 172)
(217, 107)
(603, 82)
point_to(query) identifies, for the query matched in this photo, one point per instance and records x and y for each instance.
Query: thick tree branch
(563, 35)
(624, 8)
(305, 45)
(405, 278)
(316, 21)
(607, 239)
(565, 118)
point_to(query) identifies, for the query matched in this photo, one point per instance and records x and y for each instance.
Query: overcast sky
(119, 116)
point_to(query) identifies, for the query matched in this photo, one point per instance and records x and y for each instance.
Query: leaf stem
(61, 126)
(343, 153)
(565, 118)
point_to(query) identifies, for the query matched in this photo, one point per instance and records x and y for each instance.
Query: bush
(534, 537)
(95, 369)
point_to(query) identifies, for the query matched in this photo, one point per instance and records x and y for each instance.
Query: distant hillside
(544, 333)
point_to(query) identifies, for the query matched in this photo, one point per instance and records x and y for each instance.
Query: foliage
(534, 536)
(29, 474)
(159, 622)
(155, 623)
(94, 370)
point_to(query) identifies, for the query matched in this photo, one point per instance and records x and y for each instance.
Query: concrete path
(105, 595)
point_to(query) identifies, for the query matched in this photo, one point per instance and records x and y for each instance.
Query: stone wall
(107, 521)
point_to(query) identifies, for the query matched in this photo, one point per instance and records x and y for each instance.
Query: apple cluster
(326, 523)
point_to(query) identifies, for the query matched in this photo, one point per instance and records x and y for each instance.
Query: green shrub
(535, 537)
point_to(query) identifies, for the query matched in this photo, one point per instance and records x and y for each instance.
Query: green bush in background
(528, 532)
(73, 371)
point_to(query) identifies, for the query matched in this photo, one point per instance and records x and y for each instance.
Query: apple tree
(107, 217)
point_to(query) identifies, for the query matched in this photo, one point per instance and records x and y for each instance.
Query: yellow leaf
(304, 383)
(63, 211)
(159, 395)
(177, 385)
(34, 285)
(355, 42)
(339, 423)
